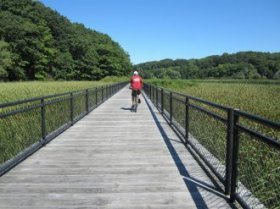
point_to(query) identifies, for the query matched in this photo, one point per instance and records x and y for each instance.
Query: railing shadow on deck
(191, 183)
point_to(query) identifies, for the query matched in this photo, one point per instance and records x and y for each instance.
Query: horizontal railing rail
(241, 149)
(27, 125)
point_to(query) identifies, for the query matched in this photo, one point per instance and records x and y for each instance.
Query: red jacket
(136, 82)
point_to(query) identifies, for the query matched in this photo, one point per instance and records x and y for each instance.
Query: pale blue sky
(157, 29)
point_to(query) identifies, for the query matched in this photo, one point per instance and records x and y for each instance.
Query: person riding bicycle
(136, 84)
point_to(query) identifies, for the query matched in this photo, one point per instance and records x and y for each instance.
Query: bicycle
(135, 99)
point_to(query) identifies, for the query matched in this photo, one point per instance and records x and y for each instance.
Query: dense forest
(37, 43)
(241, 65)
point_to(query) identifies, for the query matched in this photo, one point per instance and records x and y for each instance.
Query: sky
(151, 30)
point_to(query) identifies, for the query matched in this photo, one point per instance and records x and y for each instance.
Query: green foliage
(12, 91)
(241, 95)
(114, 79)
(169, 83)
(5, 60)
(242, 65)
(46, 45)
(277, 75)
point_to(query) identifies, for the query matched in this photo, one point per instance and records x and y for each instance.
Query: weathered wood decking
(112, 158)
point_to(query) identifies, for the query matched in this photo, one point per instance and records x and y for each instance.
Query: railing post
(87, 105)
(43, 120)
(229, 145)
(71, 109)
(162, 101)
(156, 96)
(187, 120)
(171, 108)
(150, 91)
(96, 97)
(235, 151)
(102, 97)
(106, 92)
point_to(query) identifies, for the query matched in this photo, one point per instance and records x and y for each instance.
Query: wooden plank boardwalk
(112, 158)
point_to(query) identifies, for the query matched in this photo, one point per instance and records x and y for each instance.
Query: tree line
(37, 43)
(241, 65)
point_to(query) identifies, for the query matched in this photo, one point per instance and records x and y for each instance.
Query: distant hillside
(37, 43)
(241, 65)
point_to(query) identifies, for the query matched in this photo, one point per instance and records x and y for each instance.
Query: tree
(248, 65)
(173, 74)
(277, 75)
(6, 61)
(46, 45)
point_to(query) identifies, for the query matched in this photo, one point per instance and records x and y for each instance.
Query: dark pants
(134, 93)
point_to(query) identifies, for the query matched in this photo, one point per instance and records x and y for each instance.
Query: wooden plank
(112, 158)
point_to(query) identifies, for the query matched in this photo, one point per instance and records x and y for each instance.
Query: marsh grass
(257, 98)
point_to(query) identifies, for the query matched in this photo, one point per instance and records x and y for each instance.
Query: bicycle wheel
(135, 104)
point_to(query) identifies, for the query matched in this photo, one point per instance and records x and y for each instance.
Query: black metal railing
(241, 149)
(29, 124)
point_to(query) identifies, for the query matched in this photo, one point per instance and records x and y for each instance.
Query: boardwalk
(112, 158)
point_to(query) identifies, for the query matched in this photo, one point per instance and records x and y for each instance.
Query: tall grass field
(261, 98)
(13, 91)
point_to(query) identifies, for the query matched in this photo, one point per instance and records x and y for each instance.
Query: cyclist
(136, 84)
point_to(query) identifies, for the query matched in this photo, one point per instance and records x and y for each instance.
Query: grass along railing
(241, 149)
(29, 124)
